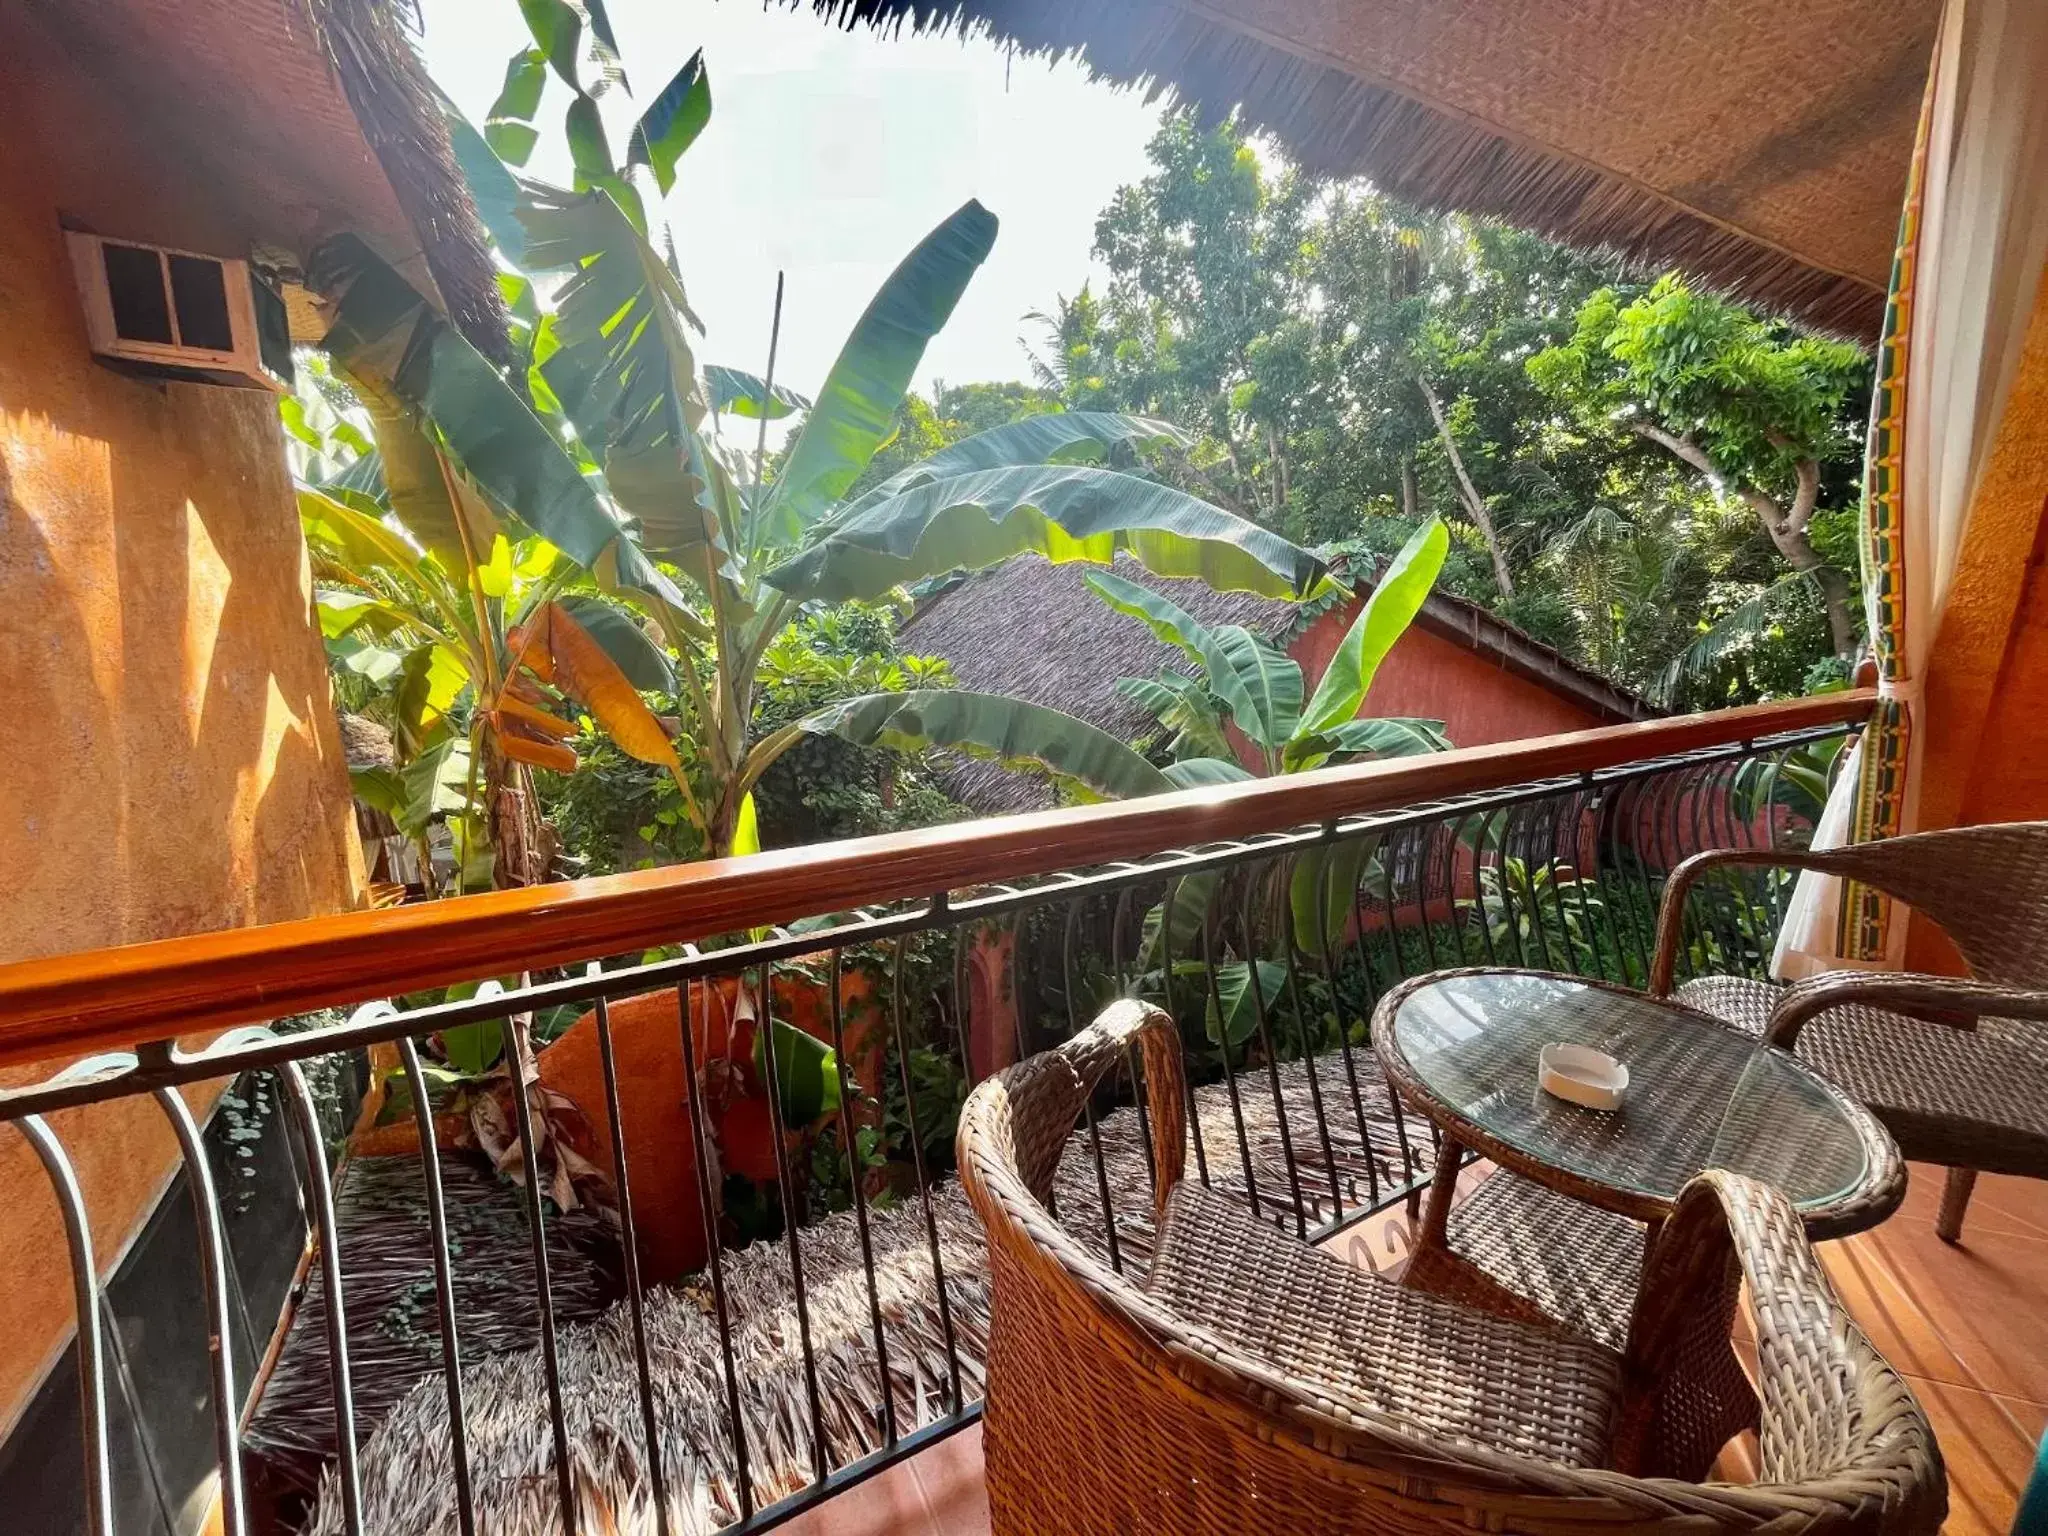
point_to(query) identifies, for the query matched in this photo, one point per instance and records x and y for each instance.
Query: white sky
(830, 154)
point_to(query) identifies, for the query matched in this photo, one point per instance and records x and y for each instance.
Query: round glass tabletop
(1700, 1094)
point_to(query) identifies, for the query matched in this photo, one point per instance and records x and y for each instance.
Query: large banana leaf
(559, 650)
(1057, 437)
(1184, 707)
(1268, 679)
(492, 188)
(1322, 892)
(1012, 731)
(1176, 626)
(557, 29)
(1166, 619)
(384, 330)
(672, 122)
(1065, 513)
(623, 368)
(855, 410)
(508, 126)
(736, 392)
(1391, 736)
(1233, 1013)
(1396, 598)
(645, 664)
(437, 506)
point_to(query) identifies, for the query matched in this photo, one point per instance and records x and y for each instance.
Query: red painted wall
(1431, 678)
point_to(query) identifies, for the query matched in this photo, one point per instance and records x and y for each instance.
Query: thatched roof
(407, 1467)
(298, 119)
(365, 743)
(1758, 144)
(1033, 630)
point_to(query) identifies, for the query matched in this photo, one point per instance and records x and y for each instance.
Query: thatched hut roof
(1760, 145)
(299, 119)
(365, 743)
(1033, 630)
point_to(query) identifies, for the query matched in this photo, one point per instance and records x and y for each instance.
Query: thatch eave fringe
(395, 103)
(1335, 121)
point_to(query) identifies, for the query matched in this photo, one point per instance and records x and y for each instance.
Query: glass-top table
(1462, 1047)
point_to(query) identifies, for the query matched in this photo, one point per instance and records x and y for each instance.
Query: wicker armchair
(1253, 1383)
(1956, 1069)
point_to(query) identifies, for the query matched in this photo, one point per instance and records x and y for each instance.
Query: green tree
(1762, 412)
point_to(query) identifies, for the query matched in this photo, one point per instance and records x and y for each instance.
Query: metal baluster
(1631, 871)
(1480, 850)
(85, 1298)
(924, 1181)
(550, 1352)
(1188, 1065)
(1420, 841)
(213, 1275)
(444, 1285)
(1125, 988)
(308, 1120)
(791, 1217)
(1116, 1261)
(1285, 904)
(1260, 1021)
(1244, 1148)
(700, 1140)
(1326, 945)
(629, 1237)
(1372, 997)
(1609, 876)
(1581, 875)
(856, 1175)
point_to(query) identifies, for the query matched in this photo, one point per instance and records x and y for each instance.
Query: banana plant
(421, 588)
(631, 454)
(1240, 681)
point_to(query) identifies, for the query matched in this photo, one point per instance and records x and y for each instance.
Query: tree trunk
(1410, 502)
(1277, 446)
(1787, 527)
(1474, 507)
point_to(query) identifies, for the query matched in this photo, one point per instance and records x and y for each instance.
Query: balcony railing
(780, 1290)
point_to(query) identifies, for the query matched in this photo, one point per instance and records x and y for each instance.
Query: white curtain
(1973, 241)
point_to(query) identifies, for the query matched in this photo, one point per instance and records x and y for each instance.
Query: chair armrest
(1950, 1000)
(1832, 1411)
(1678, 885)
(1020, 1119)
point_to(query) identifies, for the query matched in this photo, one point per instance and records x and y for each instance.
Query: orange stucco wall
(1986, 690)
(1430, 678)
(172, 763)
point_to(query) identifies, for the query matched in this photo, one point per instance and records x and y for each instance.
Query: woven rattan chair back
(1986, 886)
(1108, 1412)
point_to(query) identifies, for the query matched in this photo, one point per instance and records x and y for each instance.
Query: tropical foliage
(610, 436)
(1658, 482)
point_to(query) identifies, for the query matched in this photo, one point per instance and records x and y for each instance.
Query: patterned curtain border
(1864, 917)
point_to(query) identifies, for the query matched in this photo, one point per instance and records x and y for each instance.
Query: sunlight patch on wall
(207, 579)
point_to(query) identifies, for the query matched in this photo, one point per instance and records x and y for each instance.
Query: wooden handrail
(70, 1005)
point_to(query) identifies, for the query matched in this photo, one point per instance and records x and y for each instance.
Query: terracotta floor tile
(891, 1503)
(1986, 1300)
(2001, 1203)
(1987, 1443)
(1378, 1244)
(955, 1494)
(1892, 1315)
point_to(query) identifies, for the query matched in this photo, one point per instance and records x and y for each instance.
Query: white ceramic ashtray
(1579, 1074)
